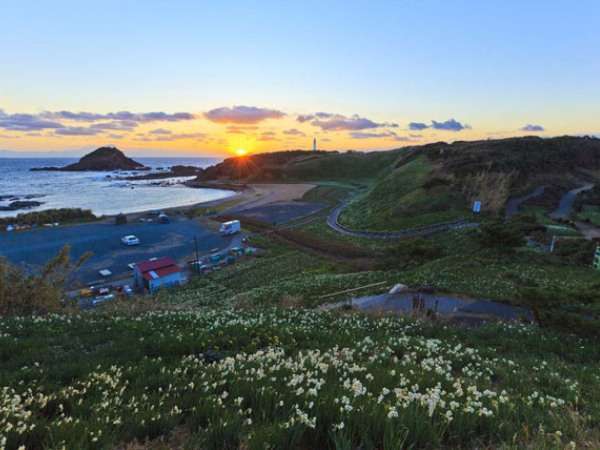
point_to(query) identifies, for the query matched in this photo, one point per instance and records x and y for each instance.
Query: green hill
(302, 166)
(421, 185)
(438, 182)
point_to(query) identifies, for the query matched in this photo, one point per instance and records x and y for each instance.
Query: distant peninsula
(101, 159)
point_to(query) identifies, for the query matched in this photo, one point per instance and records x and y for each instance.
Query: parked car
(130, 240)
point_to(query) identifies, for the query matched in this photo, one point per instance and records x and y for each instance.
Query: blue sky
(495, 66)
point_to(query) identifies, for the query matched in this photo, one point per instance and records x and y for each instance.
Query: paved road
(333, 223)
(176, 239)
(566, 202)
(280, 212)
(513, 204)
(445, 305)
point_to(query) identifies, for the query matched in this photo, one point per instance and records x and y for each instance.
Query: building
(314, 144)
(154, 274)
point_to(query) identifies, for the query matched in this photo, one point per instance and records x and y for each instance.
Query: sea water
(100, 192)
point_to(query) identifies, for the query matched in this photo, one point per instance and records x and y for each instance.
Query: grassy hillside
(406, 197)
(302, 166)
(438, 182)
(293, 379)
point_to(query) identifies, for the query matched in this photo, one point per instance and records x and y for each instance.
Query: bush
(23, 294)
(411, 252)
(50, 216)
(504, 236)
(120, 219)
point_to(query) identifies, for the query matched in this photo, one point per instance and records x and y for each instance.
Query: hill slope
(302, 165)
(438, 182)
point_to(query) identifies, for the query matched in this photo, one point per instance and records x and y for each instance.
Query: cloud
(267, 136)
(531, 127)
(26, 122)
(119, 125)
(77, 131)
(83, 116)
(241, 129)
(160, 131)
(339, 122)
(448, 125)
(242, 114)
(172, 137)
(417, 126)
(294, 132)
(381, 135)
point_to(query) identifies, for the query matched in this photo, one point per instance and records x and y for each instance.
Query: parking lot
(34, 248)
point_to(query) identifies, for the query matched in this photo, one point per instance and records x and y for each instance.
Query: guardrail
(333, 222)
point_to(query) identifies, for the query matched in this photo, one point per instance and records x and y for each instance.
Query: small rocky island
(101, 159)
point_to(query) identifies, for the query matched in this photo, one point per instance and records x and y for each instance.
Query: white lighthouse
(314, 144)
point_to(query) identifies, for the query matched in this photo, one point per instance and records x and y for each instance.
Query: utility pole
(197, 255)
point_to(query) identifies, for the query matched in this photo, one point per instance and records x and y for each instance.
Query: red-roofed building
(153, 274)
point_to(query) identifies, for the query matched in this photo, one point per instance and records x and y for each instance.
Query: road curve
(333, 223)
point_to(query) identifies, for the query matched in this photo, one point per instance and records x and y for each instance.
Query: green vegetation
(302, 166)
(62, 215)
(410, 196)
(23, 293)
(297, 379)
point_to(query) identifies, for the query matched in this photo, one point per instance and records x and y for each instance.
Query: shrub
(50, 216)
(120, 219)
(22, 293)
(411, 252)
(501, 236)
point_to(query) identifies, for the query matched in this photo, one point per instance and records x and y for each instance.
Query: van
(231, 227)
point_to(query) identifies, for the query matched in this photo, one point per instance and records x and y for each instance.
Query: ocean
(94, 190)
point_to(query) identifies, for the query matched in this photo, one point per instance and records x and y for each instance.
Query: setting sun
(241, 152)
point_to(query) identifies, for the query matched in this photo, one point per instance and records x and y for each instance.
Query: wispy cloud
(242, 114)
(160, 131)
(267, 136)
(294, 132)
(417, 126)
(241, 129)
(26, 122)
(339, 122)
(77, 131)
(379, 135)
(447, 125)
(171, 137)
(155, 116)
(532, 128)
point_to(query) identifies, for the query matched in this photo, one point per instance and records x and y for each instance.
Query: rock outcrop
(101, 159)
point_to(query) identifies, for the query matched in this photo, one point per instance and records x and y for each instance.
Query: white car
(130, 240)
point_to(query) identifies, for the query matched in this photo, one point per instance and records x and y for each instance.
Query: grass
(401, 200)
(590, 213)
(269, 378)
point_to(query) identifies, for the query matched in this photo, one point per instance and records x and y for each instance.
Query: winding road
(513, 204)
(566, 202)
(333, 223)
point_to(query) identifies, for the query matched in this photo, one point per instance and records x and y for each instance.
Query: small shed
(154, 274)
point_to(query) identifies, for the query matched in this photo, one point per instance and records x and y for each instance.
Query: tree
(23, 293)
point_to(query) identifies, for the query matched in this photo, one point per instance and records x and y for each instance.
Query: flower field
(274, 378)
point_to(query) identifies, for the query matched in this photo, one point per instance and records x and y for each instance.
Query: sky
(195, 78)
